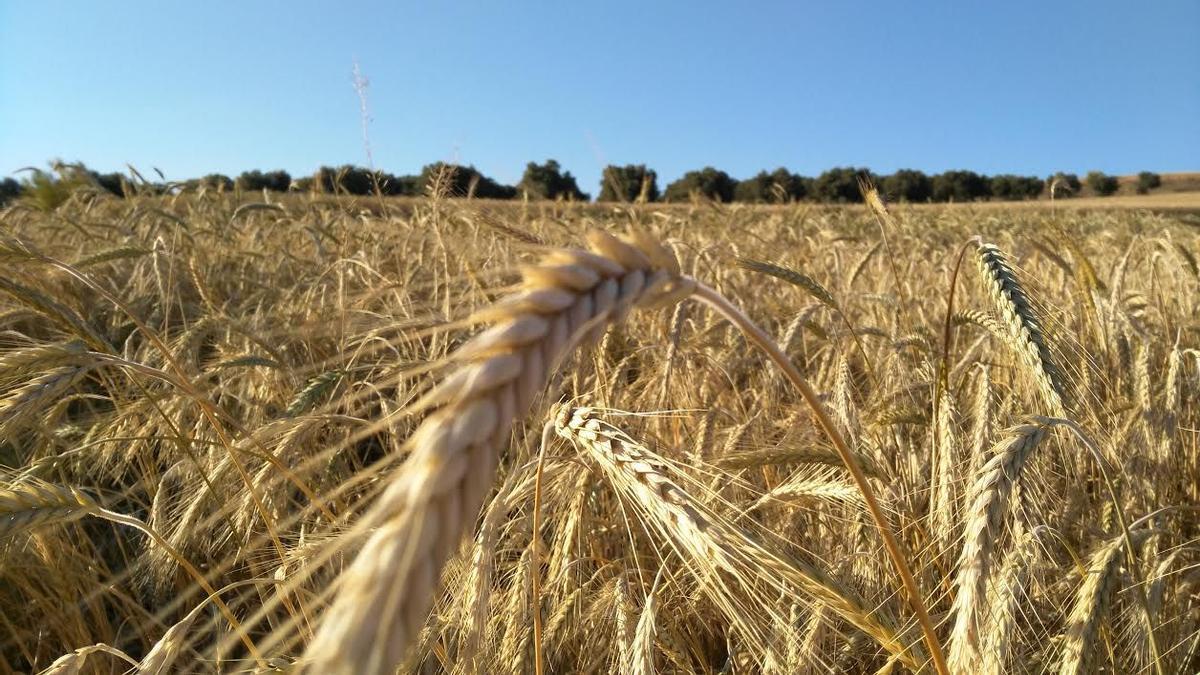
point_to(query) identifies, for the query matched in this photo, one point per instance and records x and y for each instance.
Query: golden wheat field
(454, 436)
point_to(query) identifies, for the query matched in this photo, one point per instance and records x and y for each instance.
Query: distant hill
(1171, 182)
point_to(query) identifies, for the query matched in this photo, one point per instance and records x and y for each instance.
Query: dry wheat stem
(895, 551)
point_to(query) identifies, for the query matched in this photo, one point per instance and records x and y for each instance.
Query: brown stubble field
(329, 435)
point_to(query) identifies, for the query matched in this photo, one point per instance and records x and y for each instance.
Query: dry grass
(321, 435)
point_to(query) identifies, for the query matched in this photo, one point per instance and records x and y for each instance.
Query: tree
(399, 186)
(453, 180)
(253, 181)
(840, 185)
(324, 179)
(778, 187)
(112, 183)
(217, 181)
(707, 182)
(1101, 183)
(793, 185)
(908, 185)
(960, 186)
(1008, 186)
(629, 183)
(277, 181)
(346, 179)
(250, 180)
(547, 181)
(10, 189)
(756, 190)
(1063, 185)
(1147, 181)
(1031, 186)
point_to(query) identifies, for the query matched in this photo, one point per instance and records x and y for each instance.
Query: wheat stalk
(706, 540)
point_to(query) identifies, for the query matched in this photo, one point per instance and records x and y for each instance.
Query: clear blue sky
(196, 87)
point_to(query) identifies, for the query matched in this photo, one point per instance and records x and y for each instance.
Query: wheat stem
(894, 548)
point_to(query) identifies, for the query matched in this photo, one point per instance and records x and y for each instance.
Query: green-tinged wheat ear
(819, 486)
(981, 319)
(805, 282)
(110, 255)
(64, 316)
(1023, 328)
(21, 363)
(313, 391)
(780, 454)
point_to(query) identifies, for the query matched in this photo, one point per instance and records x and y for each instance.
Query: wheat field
(328, 435)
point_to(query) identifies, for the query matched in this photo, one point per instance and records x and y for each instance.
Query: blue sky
(196, 87)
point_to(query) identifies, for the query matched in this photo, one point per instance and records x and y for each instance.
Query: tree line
(628, 183)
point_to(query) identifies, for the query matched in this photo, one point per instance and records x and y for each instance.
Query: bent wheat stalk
(711, 541)
(384, 597)
(895, 549)
(422, 513)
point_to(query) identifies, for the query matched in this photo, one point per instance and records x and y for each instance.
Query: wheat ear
(28, 505)
(988, 506)
(709, 540)
(1023, 328)
(1091, 602)
(1008, 596)
(72, 663)
(383, 598)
